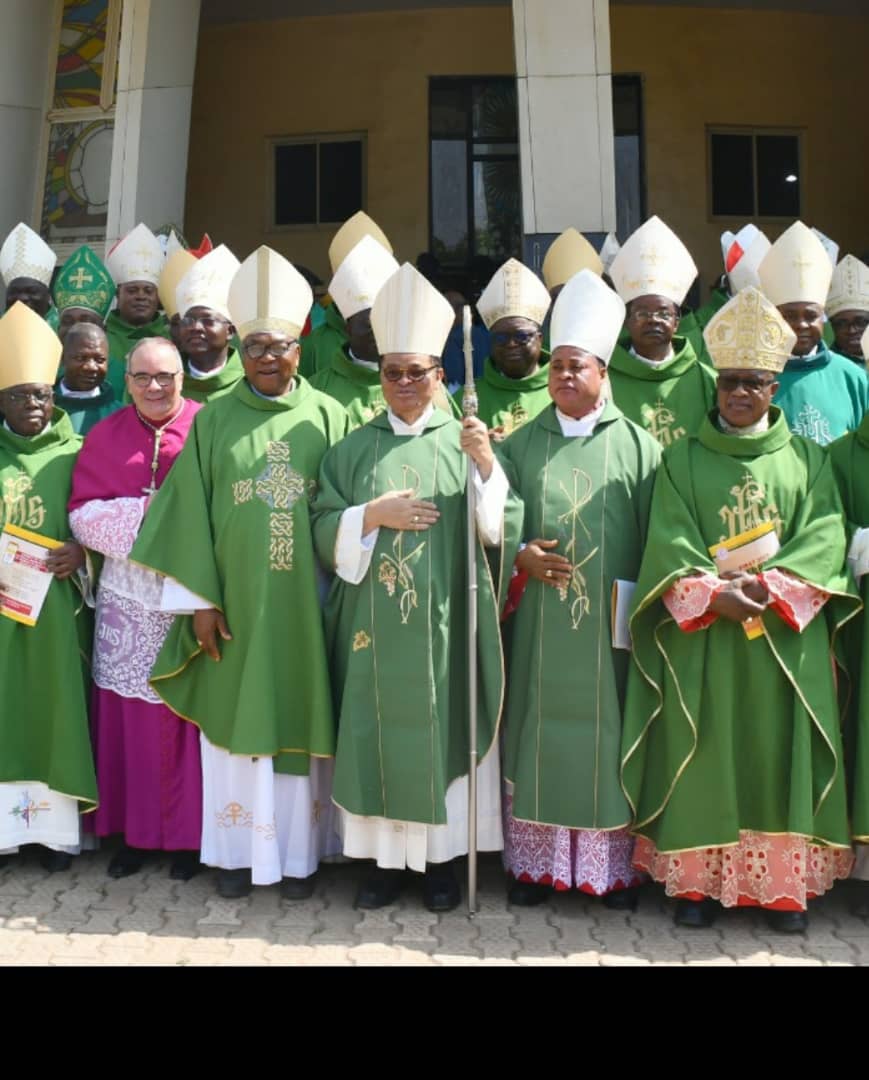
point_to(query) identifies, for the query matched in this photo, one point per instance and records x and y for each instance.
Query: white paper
(24, 579)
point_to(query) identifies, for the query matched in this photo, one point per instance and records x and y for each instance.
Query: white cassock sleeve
(176, 600)
(858, 554)
(354, 551)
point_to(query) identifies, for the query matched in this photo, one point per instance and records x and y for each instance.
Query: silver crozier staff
(469, 408)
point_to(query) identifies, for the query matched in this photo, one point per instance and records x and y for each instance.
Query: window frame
(317, 139)
(467, 83)
(106, 110)
(754, 131)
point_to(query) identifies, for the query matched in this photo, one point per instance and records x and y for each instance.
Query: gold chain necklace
(151, 490)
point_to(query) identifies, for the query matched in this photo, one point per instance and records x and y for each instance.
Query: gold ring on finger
(415, 518)
(549, 573)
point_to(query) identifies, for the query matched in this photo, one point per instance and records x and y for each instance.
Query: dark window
(754, 174)
(629, 163)
(318, 181)
(475, 206)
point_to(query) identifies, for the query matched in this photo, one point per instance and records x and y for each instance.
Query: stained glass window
(77, 180)
(80, 59)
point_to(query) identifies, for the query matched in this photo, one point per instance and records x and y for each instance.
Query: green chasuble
(567, 682)
(669, 401)
(232, 524)
(723, 733)
(122, 337)
(510, 403)
(321, 344)
(83, 413)
(399, 640)
(849, 457)
(52, 317)
(357, 387)
(692, 325)
(44, 722)
(214, 386)
(823, 396)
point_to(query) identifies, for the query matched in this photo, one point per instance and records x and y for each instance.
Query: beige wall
(298, 76)
(755, 68)
(349, 73)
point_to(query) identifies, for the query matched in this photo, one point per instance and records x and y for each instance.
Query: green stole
(83, 413)
(669, 401)
(723, 733)
(356, 387)
(232, 524)
(823, 396)
(122, 337)
(321, 344)
(510, 403)
(43, 669)
(399, 640)
(849, 457)
(214, 386)
(567, 682)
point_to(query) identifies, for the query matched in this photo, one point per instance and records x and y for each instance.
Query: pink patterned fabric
(149, 774)
(762, 870)
(688, 601)
(594, 861)
(796, 601)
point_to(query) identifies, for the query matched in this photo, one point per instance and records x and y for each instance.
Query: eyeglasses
(207, 322)
(256, 350)
(21, 397)
(661, 314)
(163, 378)
(729, 383)
(521, 337)
(415, 374)
(840, 325)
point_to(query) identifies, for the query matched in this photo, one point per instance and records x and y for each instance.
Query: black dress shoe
(379, 889)
(621, 899)
(298, 888)
(233, 884)
(859, 905)
(184, 865)
(54, 861)
(695, 914)
(788, 922)
(125, 862)
(440, 890)
(527, 893)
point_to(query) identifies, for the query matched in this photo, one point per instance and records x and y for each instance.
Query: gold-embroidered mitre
(849, 288)
(749, 334)
(25, 254)
(268, 294)
(514, 291)
(29, 349)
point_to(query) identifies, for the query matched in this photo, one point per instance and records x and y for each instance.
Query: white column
(29, 31)
(152, 120)
(564, 78)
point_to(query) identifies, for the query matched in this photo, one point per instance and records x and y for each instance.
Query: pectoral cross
(280, 487)
(80, 278)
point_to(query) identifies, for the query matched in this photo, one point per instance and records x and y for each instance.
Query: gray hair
(154, 341)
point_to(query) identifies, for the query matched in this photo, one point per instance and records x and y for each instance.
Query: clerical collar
(17, 436)
(273, 397)
(752, 429)
(195, 373)
(806, 357)
(399, 427)
(585, 425)
(372, 365)
(67, 393)
(652, 363)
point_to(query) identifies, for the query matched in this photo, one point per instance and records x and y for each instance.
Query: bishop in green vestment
(231, 526)
(46, 767)
(82, 390)
(585, 474)
(389, 521)
(732, 752)
(83, 291)
(135, 264)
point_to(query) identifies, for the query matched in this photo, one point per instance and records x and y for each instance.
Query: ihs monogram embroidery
(659, 422)
(749, 510)
(812, 424)
(18, 507)
(279, 486)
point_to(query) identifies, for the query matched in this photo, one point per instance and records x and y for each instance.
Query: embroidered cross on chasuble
(279, 486)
